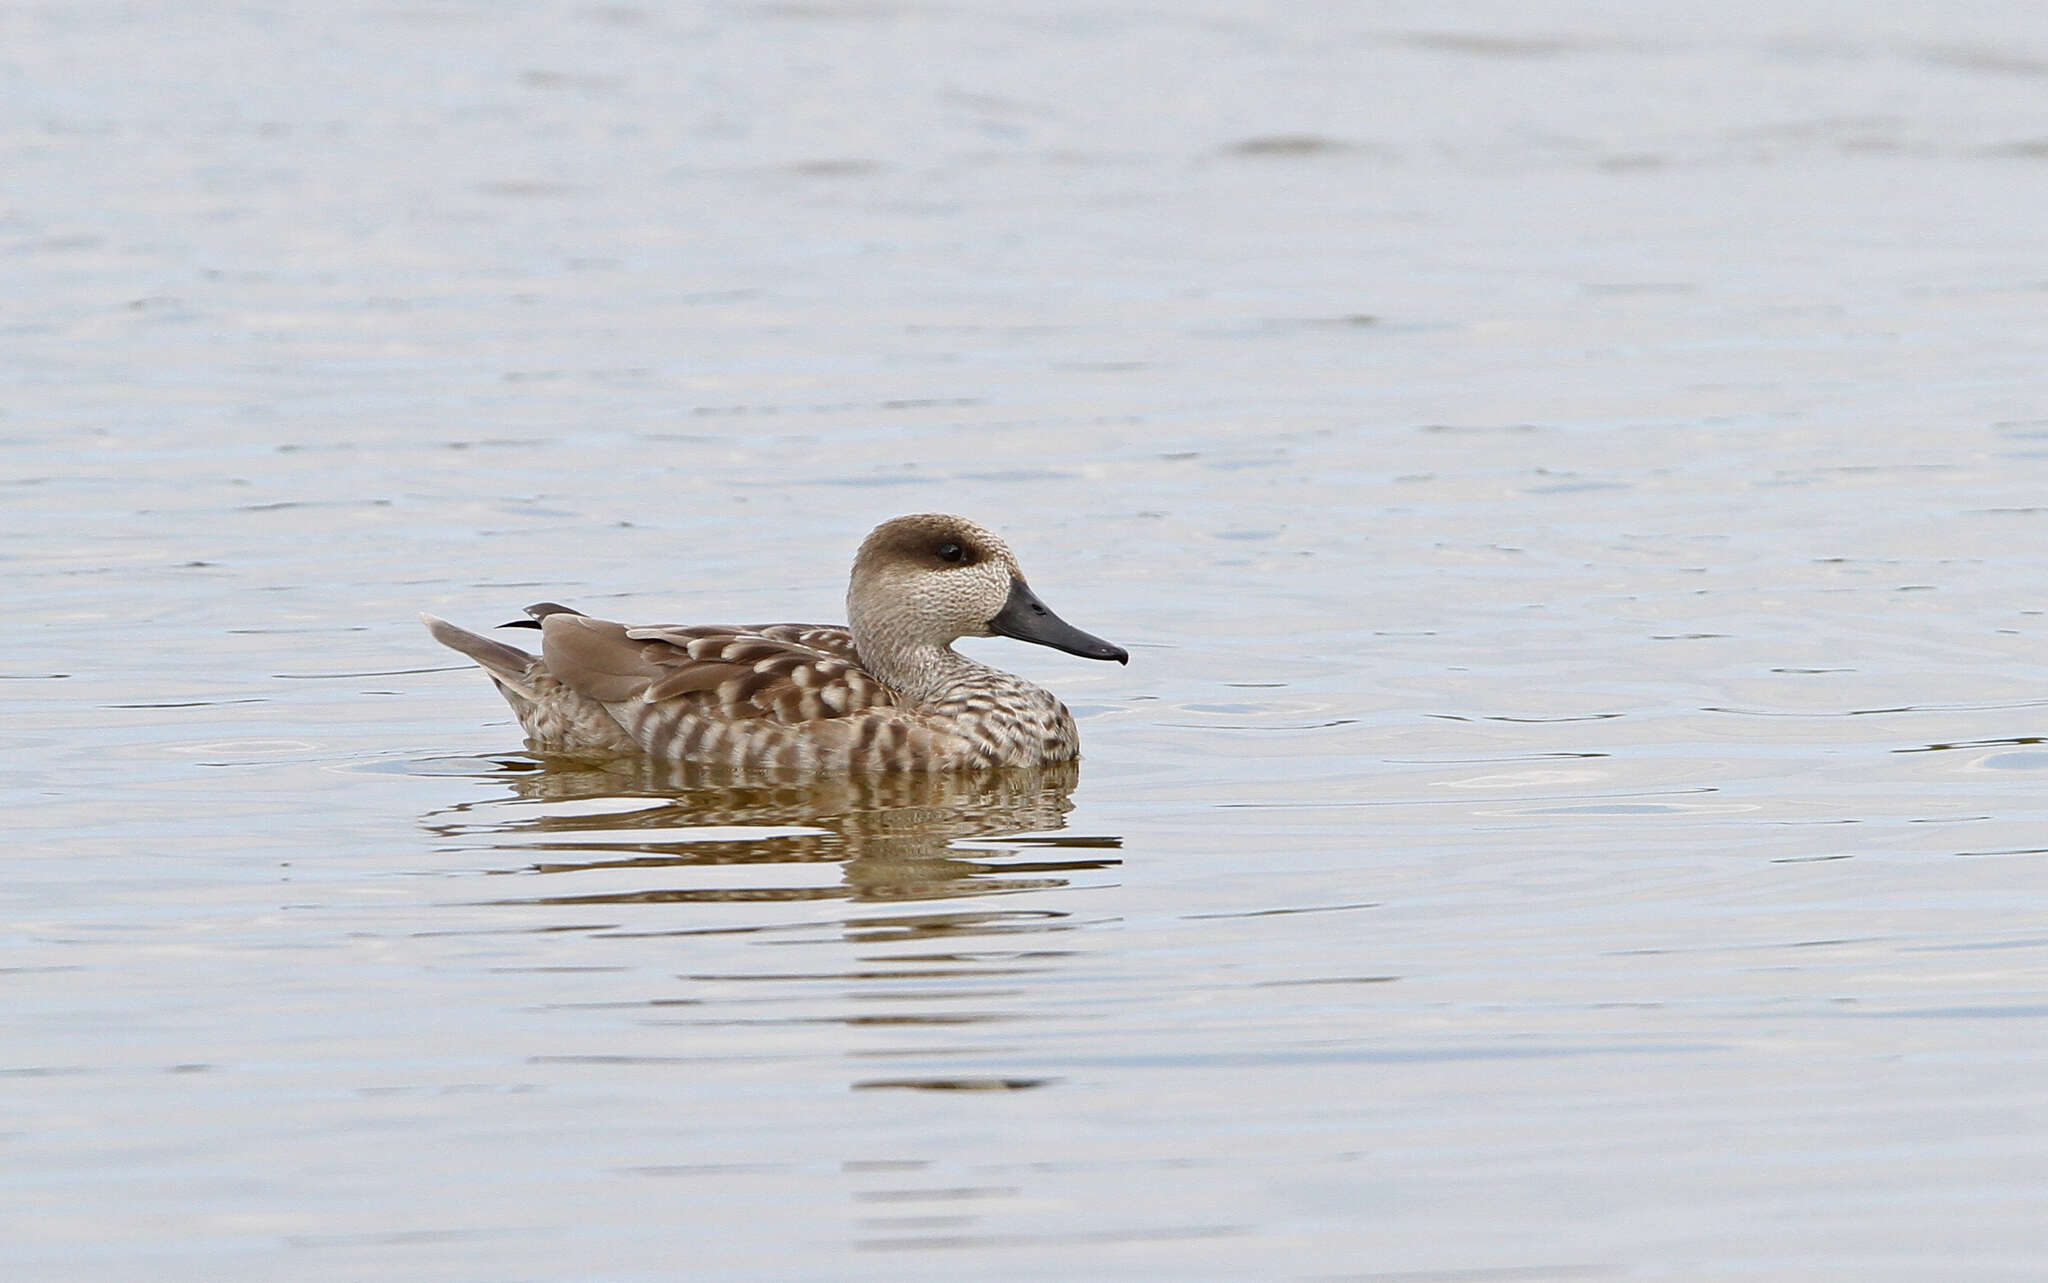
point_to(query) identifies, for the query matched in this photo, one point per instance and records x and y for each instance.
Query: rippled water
(1572, 479)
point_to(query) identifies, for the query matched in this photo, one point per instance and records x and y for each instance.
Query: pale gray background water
(1572, 478)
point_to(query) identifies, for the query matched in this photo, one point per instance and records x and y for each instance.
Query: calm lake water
(1572, 478)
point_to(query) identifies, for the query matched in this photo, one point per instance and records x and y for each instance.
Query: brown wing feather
(761, 672)
(594, 657)
(826, 639)
(688, 679)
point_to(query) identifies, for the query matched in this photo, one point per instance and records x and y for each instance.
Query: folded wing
(790, 674)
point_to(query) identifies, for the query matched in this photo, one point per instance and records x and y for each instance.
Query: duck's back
(791, 696)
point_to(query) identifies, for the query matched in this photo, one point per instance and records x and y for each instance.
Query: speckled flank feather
(887, 693)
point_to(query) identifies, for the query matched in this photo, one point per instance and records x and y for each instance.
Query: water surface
(1570, 478)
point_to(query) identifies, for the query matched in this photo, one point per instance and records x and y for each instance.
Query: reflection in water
(886, 837)
(918, 998)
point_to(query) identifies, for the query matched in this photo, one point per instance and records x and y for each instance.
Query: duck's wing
(829, 639)
(826, 639)
(787, 673)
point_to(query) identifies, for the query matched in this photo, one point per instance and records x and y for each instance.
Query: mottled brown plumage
(885, 693)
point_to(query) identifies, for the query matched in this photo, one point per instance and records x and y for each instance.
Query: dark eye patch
(952, 553)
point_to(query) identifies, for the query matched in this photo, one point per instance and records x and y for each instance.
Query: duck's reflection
(892, 837)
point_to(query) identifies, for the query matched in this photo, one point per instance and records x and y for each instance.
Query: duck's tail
(555, 718)
(509, 666)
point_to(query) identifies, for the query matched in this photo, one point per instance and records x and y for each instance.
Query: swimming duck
(885, 692)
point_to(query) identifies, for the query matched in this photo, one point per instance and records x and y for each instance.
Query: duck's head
(930, 578)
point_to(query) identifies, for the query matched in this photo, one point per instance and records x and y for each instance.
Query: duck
(883, 692)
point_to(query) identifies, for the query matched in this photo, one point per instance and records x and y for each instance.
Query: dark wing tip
(538, 611)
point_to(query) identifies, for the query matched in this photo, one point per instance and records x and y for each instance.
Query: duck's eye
(951, 552)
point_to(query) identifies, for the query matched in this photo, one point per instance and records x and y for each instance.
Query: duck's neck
(924, 673)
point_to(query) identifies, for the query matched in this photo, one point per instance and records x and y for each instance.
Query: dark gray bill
(1026, 618)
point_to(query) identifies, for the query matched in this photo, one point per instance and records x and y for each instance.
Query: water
(1570, 477)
